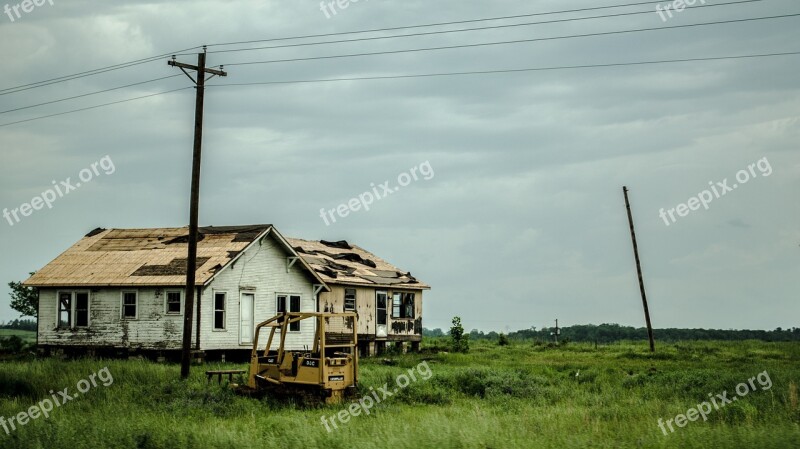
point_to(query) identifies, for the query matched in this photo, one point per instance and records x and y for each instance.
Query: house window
(380, 308)
(81, 309)
(294, 306)
(129, 305)
(174, 302)
(396, 305)
(65, 310)
(408, 305)
(403, 305)
(281, 304)
(349, 299)
(73, 310)
(219, 311)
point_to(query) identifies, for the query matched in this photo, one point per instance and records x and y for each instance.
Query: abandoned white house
(123, 290)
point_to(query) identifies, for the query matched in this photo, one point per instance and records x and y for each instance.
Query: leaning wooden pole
(191, 258)
(639, 272)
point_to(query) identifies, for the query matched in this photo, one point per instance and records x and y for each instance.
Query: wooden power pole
(191, 260)
(639, 272)
(556, 331)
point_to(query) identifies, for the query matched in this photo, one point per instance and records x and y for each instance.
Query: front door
(246, 304)
(380, 310)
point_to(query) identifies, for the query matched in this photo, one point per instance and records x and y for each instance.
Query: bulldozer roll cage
(330, 366)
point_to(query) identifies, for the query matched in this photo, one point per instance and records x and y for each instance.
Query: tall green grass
(519, 395)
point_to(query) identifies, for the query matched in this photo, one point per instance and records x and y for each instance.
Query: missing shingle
(176, 267)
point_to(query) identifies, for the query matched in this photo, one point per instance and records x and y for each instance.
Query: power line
(483, 72)
(67, 77)
(351, 40)
(457, 22)
(517, 41)
(375, 53)
(60, 79)
(462, 30)
(533, 69)
(97, 106)
(123, 65)
(89, 94)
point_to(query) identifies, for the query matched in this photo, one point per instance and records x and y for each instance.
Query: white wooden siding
(153, 329)
(261, 270)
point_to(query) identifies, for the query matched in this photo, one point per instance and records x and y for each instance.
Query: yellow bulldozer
(326, 370)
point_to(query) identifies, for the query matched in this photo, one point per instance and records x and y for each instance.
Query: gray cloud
(524, 221)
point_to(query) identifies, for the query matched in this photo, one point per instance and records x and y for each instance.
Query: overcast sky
(522, 219)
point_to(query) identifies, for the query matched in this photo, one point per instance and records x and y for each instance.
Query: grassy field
(521, 396)
(26, 336)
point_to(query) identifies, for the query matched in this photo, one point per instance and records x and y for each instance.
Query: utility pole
(639, 272)
(191, 260)
(556, 332)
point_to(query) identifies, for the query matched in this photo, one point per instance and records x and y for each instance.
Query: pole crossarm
(182, 65)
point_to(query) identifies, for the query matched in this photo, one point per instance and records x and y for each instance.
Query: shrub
(460, 340)
(503, 340)
(12, 345)
(484, 383)
(423, 393)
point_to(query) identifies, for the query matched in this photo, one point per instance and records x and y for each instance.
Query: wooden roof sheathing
(139, 257)
(345, 263)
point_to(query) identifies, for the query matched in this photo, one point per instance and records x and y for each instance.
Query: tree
(24, 300)
(432, 332)
(26, 325)
(460, 341)
(502, 340)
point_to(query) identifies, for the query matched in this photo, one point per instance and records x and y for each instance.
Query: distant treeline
(607, 333)
(25, 325)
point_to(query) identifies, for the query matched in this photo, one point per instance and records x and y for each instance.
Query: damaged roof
(343, 263)
(131, 257)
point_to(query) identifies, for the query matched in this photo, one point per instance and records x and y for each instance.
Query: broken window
(219, 310)
(403, 305)
(408, 304)
(174, 302)
(294, 306)
(73, 310)
(349, 299)
(65, 310)
(129, 305)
